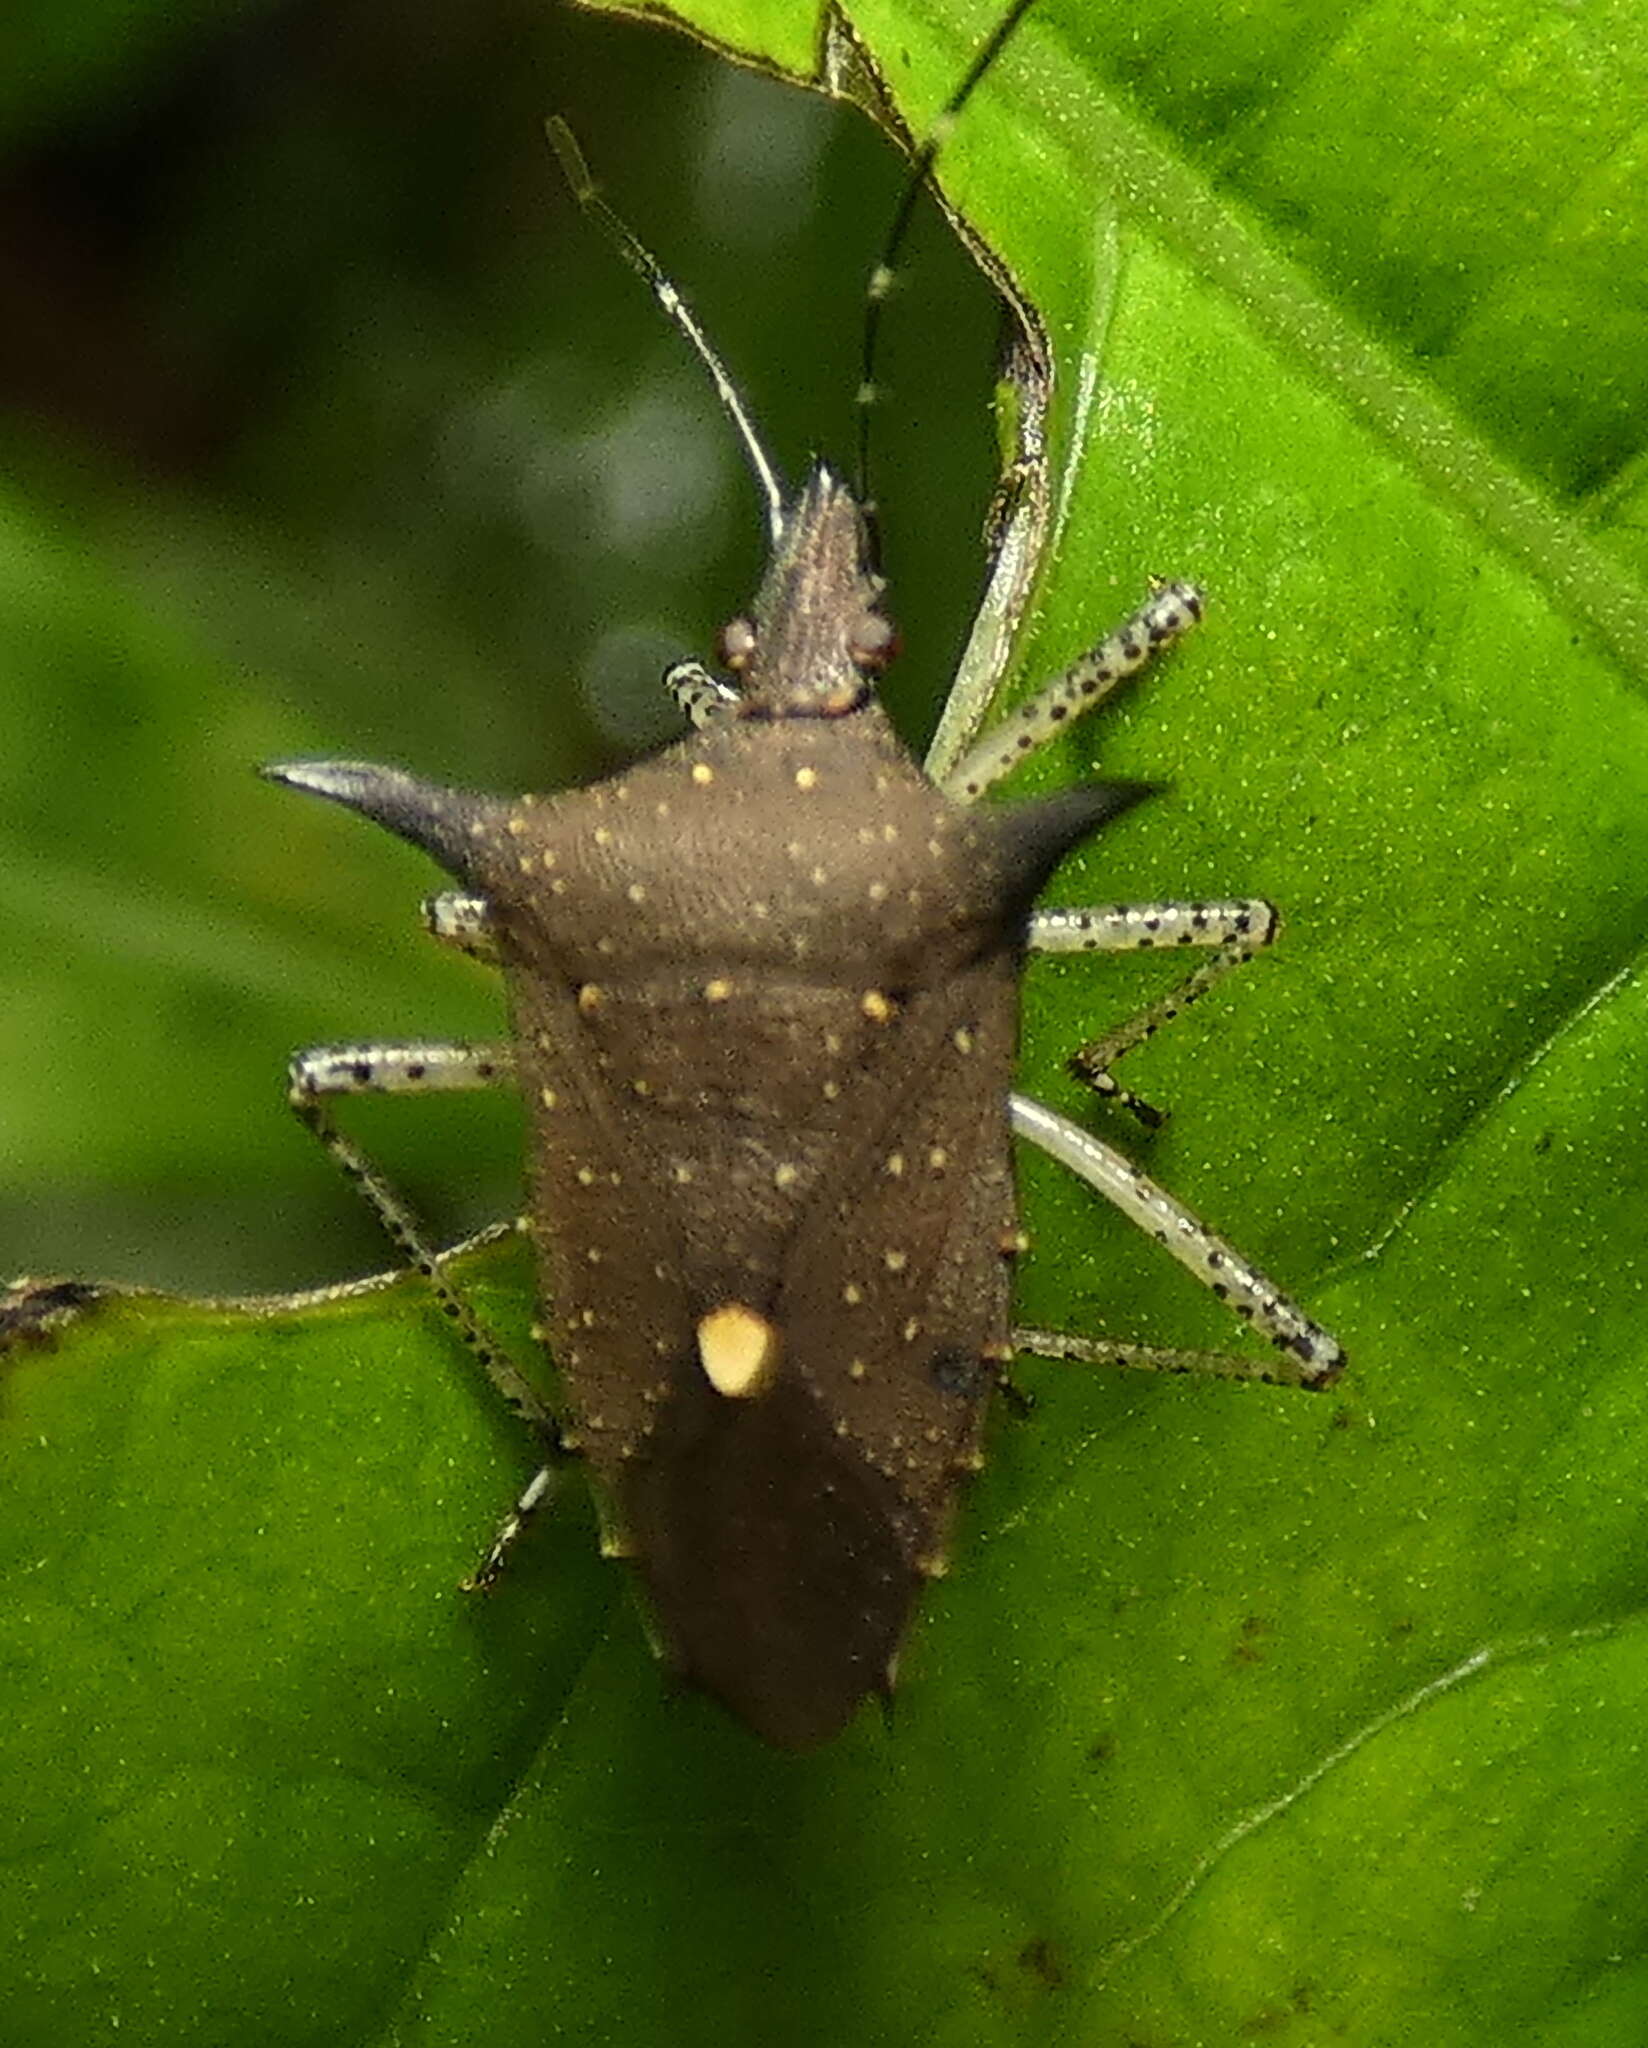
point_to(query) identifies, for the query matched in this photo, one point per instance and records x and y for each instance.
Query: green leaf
(1243, 1715)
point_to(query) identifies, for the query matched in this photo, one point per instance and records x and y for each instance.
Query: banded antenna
(881, 275)
(641, 259)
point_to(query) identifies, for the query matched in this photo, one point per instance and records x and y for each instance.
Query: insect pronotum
(764, 991)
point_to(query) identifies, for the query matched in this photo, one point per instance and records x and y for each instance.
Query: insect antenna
(882, 272)
(641, 259)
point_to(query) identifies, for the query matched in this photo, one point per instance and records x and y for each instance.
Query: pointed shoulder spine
(446, 823)
(1034, 836)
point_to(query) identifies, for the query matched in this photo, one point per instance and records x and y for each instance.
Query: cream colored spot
(806, 778)
(831, 1090)
(586, 1176)
(661, 809)
(683, 1174)
(587, 1318)
(606, 944)
(895, 1164)
(786, 1176)
(938, 1159)
(602, 836)
(594, 1256)
(589, 998)
(548, 1097)
(895, 1261)
(640, 1085)
(515, 826)
(558, 887)
(738, 1349)
(832, 1044)
(702, 773)
(852, 1294)
(964, 1040)
(819, 877)
(889, 833)
(526, 863)
(878, 892)
(636, 893)
(912, 1330)
(857, 1369)
(876, 1006)
(717, 991)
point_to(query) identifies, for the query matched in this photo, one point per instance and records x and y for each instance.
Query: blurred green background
(328, 427)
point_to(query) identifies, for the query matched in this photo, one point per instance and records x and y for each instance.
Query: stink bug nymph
(764, 991)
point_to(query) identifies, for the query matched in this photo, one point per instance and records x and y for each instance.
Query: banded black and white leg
(1171, 611)
(1304, 1354)
(704, 696)
(1234, 930)
(318, 1077)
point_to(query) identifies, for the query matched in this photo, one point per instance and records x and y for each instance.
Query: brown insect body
(765, 992)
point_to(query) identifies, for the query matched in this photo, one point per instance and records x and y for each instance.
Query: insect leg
(536, 1491)
(1169, 613)
(1235, 930)
(413, 1069)
(1307, 1355)
(1227, 1365)
(702, 696)
(462, 922)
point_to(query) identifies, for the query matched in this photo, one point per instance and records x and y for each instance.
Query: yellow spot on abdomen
(739, 1350)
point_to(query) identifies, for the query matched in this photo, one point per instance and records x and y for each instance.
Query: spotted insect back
(765, 1003)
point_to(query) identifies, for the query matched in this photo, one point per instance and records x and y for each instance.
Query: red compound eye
(735, 645)
(872, 643)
